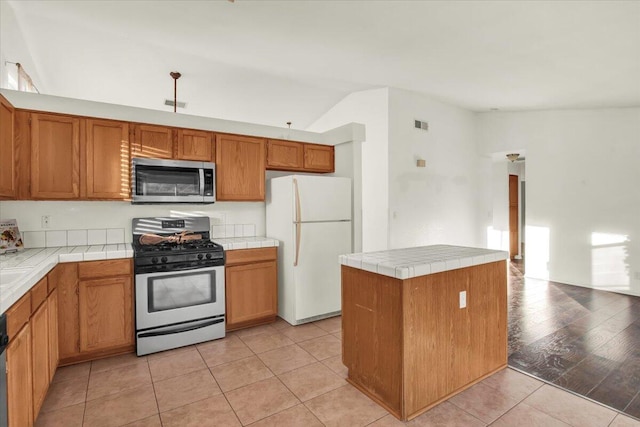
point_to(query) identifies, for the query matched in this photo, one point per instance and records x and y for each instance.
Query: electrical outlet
(463, 299)
(46, 221)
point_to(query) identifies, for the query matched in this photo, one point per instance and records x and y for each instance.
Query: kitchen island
(422, 324)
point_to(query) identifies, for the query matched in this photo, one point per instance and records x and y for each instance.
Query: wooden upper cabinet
(195, 145)
(240, 168)
(106, 169)
(153, 141)
(319, 158)
(285, 155)
(7, 150)
(55, 157)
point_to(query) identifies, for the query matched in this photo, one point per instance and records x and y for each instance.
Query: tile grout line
(153, 387)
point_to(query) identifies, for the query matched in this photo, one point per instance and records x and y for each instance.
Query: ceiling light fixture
(175, 76)
(512, 157)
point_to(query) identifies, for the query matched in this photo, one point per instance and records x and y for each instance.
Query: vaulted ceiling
(276, 61)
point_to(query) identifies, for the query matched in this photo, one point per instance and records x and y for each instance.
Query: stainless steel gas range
(179, 283)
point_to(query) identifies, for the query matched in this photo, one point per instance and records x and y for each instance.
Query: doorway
(514, 235)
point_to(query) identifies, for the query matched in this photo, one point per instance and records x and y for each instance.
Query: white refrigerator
(311, 217)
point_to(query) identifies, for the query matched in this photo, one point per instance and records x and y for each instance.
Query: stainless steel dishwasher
(4, 341)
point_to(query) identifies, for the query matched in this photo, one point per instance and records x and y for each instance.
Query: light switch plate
(463, 299)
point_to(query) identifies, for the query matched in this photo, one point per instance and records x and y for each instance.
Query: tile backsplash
(233, 230)
(114, 236)
(58, 238)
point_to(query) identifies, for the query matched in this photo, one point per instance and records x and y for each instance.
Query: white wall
(442, 202)
(14, 48)
(91, 215)
(371, 109)
(582, 199)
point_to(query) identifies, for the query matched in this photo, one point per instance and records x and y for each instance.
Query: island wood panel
(55, 156)
(19, 380)
(8, 181)
(40, 356)
(439, 348)
(285, 155)
(195, 145)
(372, 335)
(106, 168)
(461, 345)
(66, 277)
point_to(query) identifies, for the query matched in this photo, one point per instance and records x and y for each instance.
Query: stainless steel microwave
(172, 181)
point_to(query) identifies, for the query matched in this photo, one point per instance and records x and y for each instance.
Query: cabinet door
(153, 141)
(52, 301)
(285, 155)
(19, 391)
(55, 157)
(65, 275)
(195, 145)
(319, 158)
(7, 150)
(106, 319)
(106, 172)
(240, 168)
(40, 355)
(252, 291)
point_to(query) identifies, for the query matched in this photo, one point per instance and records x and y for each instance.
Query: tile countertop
(420, 261)
(33, 264)
(233, 243)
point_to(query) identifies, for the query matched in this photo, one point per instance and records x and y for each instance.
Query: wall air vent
(170, 103)
(421, 125)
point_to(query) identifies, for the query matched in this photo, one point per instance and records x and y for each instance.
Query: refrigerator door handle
(297, 221)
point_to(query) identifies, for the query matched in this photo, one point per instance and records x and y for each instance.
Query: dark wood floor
(580, 339)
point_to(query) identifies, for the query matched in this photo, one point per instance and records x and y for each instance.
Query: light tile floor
(280, 375)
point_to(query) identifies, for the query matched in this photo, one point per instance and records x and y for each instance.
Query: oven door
(169, 298)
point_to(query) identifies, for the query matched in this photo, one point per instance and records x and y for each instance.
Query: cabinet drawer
(38, 294)
(120, 267)
(18, 315)
(243, 256)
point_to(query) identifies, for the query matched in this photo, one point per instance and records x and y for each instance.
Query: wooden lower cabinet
(19, 384)
(106, 313)
(95, 304)
(40, 355)
(54, 357)
(251, 282)
(65, 275)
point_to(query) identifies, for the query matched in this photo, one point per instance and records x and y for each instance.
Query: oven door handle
(181, 329)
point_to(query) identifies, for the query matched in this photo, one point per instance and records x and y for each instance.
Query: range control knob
(200, 256)
(208, 256)
(154, 260)
(163, 259)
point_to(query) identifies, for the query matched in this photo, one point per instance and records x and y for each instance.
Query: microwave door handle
(201, 170)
